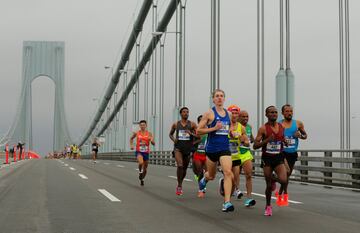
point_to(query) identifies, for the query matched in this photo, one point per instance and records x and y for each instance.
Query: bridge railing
(329, 167)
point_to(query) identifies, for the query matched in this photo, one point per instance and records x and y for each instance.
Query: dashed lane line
(109, 195)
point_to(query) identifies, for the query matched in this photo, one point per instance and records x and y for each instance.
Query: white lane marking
(83, 176)
(120, 165)
(174, 177)
(66, 165)
(71, 168)
(274, 198)
(106, 163)
(109, 195)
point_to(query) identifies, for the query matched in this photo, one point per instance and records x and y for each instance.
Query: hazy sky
(95, 32)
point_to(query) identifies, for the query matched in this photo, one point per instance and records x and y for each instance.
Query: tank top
(234, 143)
(292, 142)
(244, 149)
(218, 140)
(201, 146)
(274, 147)
(143, 142)
(94, 147)
(184, 139)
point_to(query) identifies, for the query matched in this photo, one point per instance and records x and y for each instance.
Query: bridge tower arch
(40, 58)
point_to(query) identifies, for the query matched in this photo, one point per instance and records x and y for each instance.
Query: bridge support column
(356, 165)
(328, 164)
(304, 163)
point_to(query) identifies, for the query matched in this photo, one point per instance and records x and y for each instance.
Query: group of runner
(223, 137)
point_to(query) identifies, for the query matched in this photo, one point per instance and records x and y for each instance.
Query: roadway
(78, 196)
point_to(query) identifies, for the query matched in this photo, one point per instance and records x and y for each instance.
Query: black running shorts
(272, 160)
(291, 158)
(215, 157)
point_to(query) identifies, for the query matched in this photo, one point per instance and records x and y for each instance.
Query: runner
(216, 123)
(143, 140)
(246, 158)
(294, 130)
(199, 158)
(95, 148)
(270, 138)
(183, 145)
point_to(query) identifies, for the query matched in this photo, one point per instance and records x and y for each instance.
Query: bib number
(183, 135)
(273, 147)
(234, 147)
(224, 129)
(290, 142)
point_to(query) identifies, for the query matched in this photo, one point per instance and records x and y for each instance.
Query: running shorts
(246, 157)
(199, 157)
(143, 154)
(215, 157)
(291, 158)
(272, 160)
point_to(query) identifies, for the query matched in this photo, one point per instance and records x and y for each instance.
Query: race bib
(94, 147)
(143, 148)
(183, 135)
(273, 147)
(224, 129)
(234, 147)
(290, 142)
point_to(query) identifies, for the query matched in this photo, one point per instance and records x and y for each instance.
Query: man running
(183, 145)
(95, 148)
(246, 158)
(143, 140)
(199, 158)
(270, 138)
(294, 130)
(216, 123)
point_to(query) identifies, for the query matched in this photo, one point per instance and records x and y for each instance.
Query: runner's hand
(218, 125)
(297, 134)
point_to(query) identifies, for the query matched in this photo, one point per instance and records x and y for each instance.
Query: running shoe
(285, 201)
(202, 183)
(268, 210)
(249, 202)
(196, 177)
(227, 207)
(179, 191)
(279, 200)
(142, 182)
(221, 187)
(201, 194)
(239, 194)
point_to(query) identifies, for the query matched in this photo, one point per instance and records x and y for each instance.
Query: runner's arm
(152, 139)
(303, 134)
(132, 141)
(202, 129)
(259, 140)
(172, 131)
(244, 138)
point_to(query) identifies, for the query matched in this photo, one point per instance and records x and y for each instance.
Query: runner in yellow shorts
(246, 158)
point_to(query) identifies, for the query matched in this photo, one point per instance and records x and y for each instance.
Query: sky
(95, 32)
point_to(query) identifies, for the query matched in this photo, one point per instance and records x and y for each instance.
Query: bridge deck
(51, 196)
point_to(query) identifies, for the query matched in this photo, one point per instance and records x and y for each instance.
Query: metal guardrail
(329, 169)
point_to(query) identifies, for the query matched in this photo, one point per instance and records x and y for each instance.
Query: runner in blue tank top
(216, 123)
(294, 130)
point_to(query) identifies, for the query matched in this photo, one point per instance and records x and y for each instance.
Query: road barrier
(331, 167)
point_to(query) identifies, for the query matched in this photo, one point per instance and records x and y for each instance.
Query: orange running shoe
(285, 201)
(279, 200)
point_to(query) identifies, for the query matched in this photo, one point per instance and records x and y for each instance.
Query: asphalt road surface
(79, 196)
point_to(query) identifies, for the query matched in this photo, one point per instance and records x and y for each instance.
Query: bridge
(150, 80)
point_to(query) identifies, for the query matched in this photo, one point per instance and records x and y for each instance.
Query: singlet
(292, 142)
(244, 149)
(143, 142)
(201, 146)
(94, 147)
(234, 143)
(274, 147)
(218, 140)
(184, 139)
